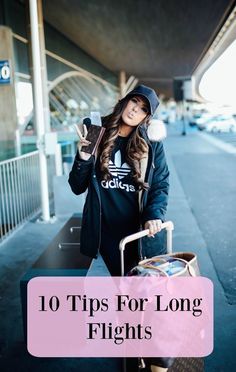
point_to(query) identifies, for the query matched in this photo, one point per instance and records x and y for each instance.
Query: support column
(44, 74)
(38, 107)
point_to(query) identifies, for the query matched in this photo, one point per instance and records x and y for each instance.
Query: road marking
(227, 147)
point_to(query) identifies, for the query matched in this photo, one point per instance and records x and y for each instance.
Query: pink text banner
(120, 316)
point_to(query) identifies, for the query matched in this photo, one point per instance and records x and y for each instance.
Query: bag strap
(188, 266)
(155, 268)
(156, 259)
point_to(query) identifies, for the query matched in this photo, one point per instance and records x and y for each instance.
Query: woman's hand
(154, 227)
(82, 142)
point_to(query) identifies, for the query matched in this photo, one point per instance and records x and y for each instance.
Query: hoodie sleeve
(80, 174)
(157, 197)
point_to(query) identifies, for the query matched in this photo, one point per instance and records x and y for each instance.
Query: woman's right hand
(82, 142)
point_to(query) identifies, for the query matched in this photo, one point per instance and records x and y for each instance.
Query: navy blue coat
(153, 202)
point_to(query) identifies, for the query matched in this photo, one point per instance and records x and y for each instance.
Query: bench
(61, 258)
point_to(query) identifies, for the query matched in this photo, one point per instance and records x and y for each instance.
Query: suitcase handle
(168, 225)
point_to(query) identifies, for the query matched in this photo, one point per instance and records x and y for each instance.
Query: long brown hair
(135, 149)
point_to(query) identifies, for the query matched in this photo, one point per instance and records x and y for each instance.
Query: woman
(127, 183)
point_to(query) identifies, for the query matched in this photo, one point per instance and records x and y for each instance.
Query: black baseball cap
(149, 94)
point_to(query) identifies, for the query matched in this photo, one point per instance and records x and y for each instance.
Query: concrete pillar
(39, 108)
(8, 113)
(43, 63)
(44, 74)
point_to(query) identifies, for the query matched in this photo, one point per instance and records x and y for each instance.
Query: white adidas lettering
(116, 184)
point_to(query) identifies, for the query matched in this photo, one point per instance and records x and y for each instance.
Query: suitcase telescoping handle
(168, 225)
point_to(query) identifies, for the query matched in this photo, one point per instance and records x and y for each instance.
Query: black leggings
(111, 257)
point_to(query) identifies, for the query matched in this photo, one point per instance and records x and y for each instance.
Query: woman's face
(135, 112)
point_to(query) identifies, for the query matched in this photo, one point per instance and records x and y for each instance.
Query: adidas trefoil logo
(117, 169)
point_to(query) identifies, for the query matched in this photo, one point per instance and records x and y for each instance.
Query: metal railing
(20, 190)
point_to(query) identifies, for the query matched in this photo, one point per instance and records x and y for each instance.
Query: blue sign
(5, 72)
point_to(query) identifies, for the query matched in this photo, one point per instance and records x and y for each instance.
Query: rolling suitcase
(169, 226)
(180, 364)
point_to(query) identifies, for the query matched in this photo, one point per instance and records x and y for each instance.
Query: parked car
(222, 123)
(203, 121)
(193, 119)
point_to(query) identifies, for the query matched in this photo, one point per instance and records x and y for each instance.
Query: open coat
(152, 202)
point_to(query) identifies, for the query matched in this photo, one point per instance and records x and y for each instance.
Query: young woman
(127, 183)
